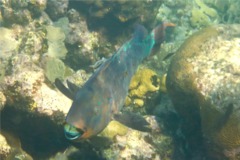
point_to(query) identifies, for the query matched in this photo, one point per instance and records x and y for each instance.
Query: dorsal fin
(67, 92)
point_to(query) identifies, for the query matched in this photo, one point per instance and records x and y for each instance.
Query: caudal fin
(158, 36)
(159, 31)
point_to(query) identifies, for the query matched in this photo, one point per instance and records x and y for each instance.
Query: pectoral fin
(73, 87)
(67, 92)
(133, 121)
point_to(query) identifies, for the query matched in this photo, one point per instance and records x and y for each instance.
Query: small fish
(101, 98)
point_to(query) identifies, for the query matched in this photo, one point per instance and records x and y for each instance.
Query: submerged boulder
(204, 84)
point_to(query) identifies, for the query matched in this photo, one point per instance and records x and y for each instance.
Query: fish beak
(71, 132)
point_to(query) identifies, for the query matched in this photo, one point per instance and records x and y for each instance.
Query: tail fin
(159, 31)
(158, 36)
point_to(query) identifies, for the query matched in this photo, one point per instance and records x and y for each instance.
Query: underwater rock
(11, 143)
(84, 46)
(32, 41)
(204, 84)
(8, 42)
(2, 100)
(136, 145)
(57, 8)
(21, 12)
(25, 89)
(5, 149)
(117, 13)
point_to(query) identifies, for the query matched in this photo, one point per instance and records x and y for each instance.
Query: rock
(2, 100)
(25, 89)
(57, 8)
(204, 84)
(136, 145)
(8, 42)
(11, 145)
(5, 149)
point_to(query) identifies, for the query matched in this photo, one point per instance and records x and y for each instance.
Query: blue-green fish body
(103, 95)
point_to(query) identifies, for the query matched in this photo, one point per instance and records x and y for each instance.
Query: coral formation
(57, 8)
(56, 46)
(33, 42)
(118, 11)
(8, 42)
(33, 49)
(143, 82)
(5, 149)
(138, 145)
(202, 15)
(2, 100)
(203, 82)
(114, 128)
(14, 146)
(54, 68)
(25, 89)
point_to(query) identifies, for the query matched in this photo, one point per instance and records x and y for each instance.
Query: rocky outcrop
(204, 83)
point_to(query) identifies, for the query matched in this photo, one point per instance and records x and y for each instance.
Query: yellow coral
(138, 102)
(114, 128)
(142, 82)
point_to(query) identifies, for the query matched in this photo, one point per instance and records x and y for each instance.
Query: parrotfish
(102, 97)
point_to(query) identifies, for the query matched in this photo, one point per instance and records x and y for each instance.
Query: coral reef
(21, 12)
(5, 149)
(54, 68)
(2, 101)
(138, 145)
(8, 42)
(143, 82)
(12, 145)
(26, 89)
(56, 47)
(118, 11)
(114, 128)
(57, 8)
(35, 50)
(33, 42)
(203, 82)
(202, 15)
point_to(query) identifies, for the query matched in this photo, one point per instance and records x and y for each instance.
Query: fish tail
(157, 36)
(158, 33)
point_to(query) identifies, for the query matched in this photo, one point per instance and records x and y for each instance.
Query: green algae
(54, 68)
(56, 46)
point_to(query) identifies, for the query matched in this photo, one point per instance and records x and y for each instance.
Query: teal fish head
(71, 132)
(86, 118)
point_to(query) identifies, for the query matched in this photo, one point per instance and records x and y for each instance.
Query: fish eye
(71, 132)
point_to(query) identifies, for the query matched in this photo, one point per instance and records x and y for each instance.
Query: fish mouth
(71, 132)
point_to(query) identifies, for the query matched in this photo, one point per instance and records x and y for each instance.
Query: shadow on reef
(41, 138)
(188, 140)
(109, 24)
